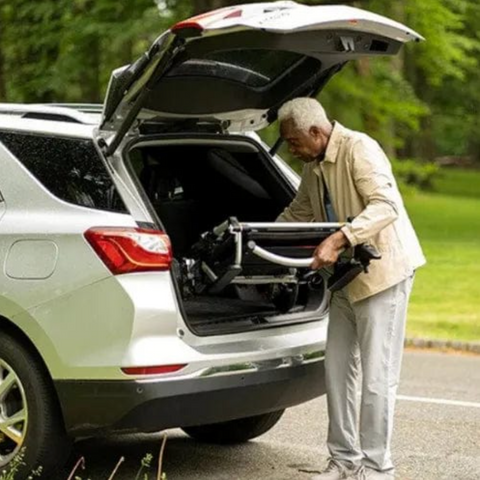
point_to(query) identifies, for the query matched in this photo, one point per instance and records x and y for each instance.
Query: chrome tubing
(278, 259)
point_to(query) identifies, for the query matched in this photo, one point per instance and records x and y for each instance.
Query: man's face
(305, 145)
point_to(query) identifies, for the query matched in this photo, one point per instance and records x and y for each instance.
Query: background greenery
(422, 106)
(446, 297)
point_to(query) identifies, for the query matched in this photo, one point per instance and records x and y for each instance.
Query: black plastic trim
(94, 407)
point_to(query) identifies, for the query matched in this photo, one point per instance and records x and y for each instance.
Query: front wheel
(235, 431)
(30, 421)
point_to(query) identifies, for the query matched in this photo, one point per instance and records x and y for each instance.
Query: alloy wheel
(13, 413)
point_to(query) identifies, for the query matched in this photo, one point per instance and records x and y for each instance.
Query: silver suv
(144, 285)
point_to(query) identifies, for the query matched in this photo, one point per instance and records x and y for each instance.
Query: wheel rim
(13, 413)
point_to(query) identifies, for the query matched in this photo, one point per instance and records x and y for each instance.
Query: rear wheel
(235, 431)
(30, 421)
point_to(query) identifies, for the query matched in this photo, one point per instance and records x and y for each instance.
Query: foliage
(15, 465)
(65, 50)
(448, 52)
(70, 47)
(445, 302)
(412, 173)
(375, 102)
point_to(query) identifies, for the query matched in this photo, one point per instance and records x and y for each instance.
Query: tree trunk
(363, 68)
(397, 67)
(421, 144)
(3, 83)
(91, 60)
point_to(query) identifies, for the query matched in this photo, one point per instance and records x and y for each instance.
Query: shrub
(415, 174)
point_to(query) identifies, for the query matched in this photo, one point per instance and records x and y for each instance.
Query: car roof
(73, 120)
(67, 112)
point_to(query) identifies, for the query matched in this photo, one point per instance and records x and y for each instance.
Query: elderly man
(346, 174)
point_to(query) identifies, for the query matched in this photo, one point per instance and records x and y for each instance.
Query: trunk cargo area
(195, 185)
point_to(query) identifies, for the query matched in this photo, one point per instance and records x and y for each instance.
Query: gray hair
(304, 112)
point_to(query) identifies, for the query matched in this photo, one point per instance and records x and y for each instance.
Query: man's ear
(314, 131)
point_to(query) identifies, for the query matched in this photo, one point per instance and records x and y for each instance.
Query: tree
(70, 47)
(30, 49)
(3, 92)
(411, 103)
(446, 56)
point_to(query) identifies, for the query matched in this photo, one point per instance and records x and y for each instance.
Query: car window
(254, 67)
(69, 168)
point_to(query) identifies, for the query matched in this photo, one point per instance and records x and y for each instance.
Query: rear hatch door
(234, 67)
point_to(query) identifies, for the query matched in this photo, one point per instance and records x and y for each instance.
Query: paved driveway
(437, 435)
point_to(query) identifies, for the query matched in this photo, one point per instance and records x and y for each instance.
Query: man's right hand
(327, 253)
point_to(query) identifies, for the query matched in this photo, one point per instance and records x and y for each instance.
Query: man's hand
(329, 250)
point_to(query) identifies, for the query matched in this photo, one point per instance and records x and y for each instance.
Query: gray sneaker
(366, 473)
(334, 471)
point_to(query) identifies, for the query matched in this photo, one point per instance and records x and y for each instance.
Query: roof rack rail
(81, 107)
(72, 113)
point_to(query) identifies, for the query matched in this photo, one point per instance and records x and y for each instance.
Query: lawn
(446, 298)
(460, 183)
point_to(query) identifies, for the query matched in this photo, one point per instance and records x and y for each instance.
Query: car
(128, 301)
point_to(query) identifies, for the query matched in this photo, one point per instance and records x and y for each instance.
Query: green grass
(458, 183)
(445, 302)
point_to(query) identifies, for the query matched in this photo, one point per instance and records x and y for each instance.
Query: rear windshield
(254, 67)
(69, 168)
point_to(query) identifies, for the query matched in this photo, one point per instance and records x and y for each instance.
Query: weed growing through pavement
(142, 474)
(15, 466)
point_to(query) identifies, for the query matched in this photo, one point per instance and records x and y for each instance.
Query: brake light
(158, 370)
(128, 250)
(186, 25)
(202, 21)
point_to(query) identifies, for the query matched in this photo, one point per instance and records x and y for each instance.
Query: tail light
(127, 250)
(200, 22)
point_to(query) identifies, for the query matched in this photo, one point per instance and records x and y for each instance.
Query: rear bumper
(92, 407)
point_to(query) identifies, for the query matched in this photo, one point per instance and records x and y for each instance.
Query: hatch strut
(138, 103)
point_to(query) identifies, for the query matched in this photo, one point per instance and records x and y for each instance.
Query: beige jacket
(359, 178)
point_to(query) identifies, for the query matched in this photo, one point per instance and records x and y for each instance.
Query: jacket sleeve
(374, 181)
(300, 210)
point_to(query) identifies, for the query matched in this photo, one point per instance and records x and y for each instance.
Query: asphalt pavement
(437, 435)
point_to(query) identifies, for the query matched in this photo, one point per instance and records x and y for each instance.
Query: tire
(235, 431)
(26, 394)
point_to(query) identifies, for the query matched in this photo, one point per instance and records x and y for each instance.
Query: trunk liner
(219, 315)
(207, 308)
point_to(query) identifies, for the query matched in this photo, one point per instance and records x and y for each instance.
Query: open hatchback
(145, 283)
(174, 129)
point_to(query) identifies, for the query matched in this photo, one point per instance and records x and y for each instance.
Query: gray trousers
(369, 333)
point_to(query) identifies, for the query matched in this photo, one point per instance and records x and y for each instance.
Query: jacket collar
(332, 148)
(334, 143)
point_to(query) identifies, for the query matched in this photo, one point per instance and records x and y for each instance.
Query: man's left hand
(327, 253)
